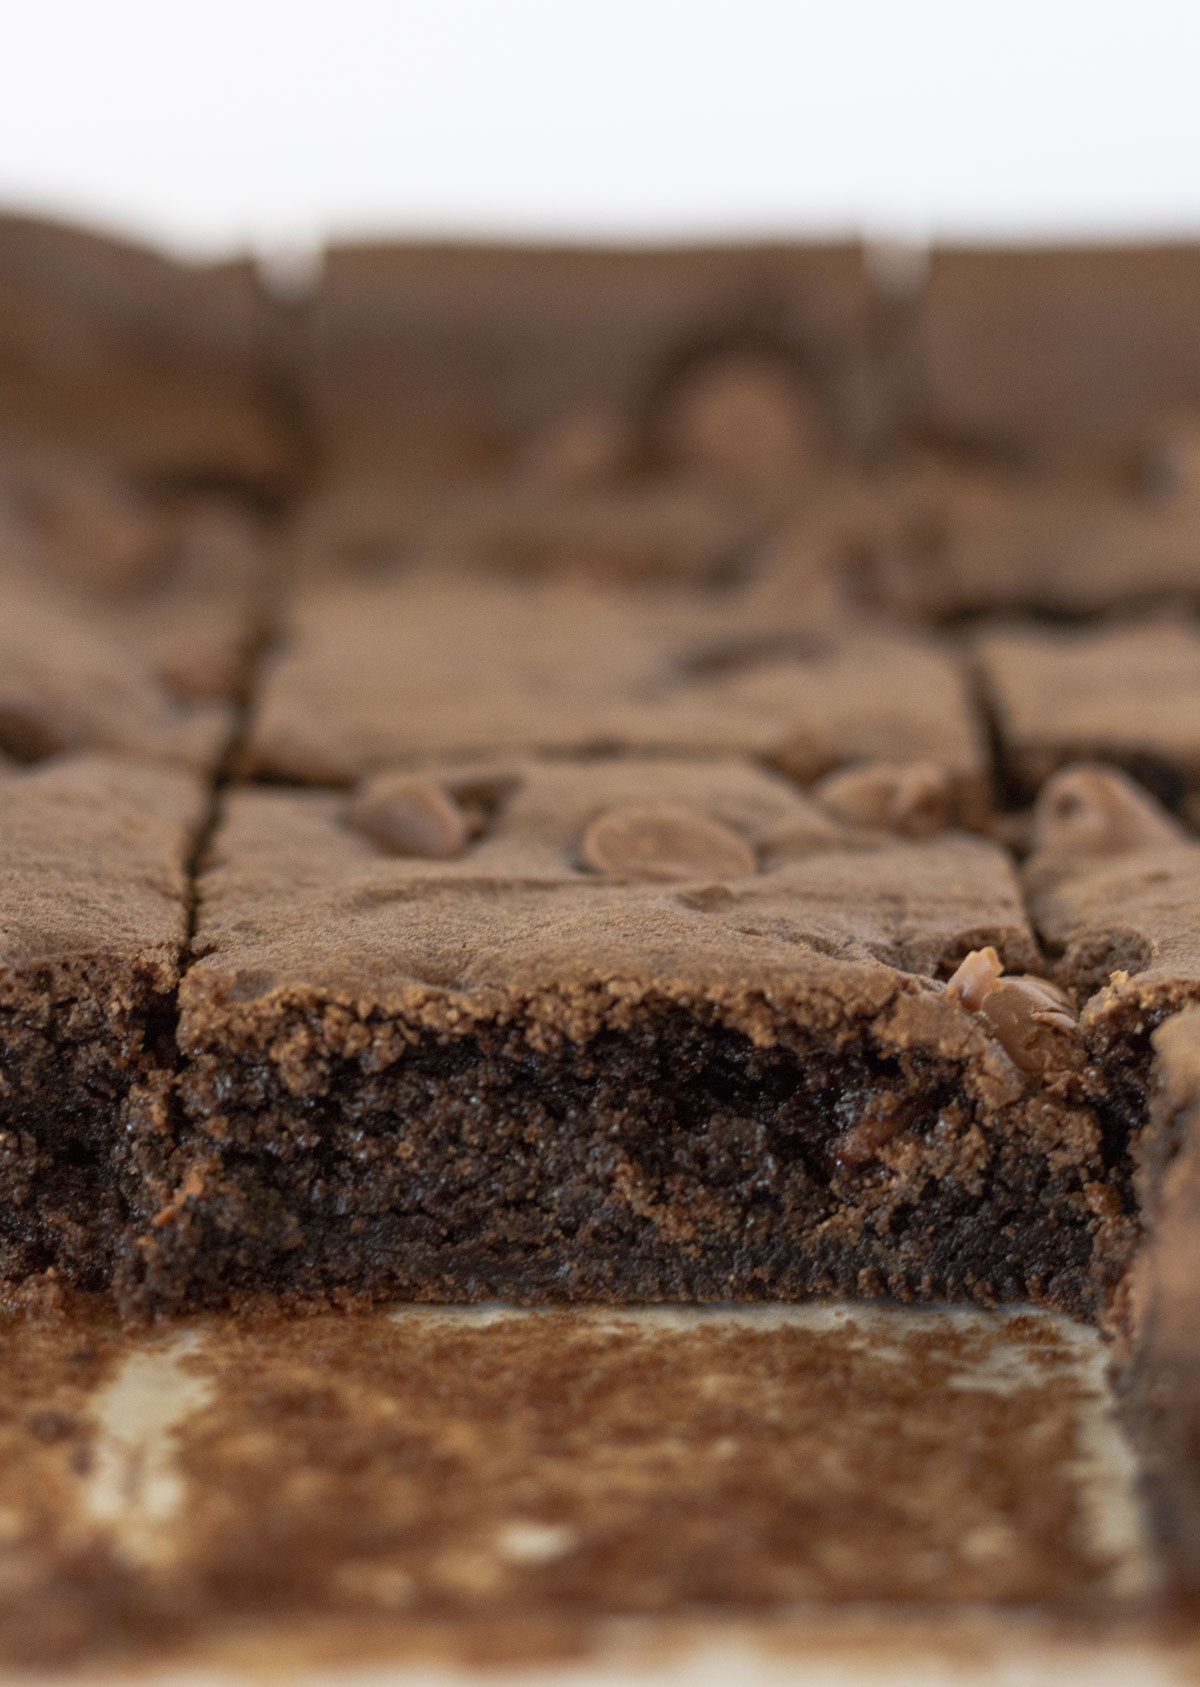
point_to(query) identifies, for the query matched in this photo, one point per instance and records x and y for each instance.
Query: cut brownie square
(952, 543)
(156, 365)
(182, 582)
(1113, 886)
(1126, 694)
(93, 917)
(1057, 351)
(669, 528)
(620, 1030)
(448, 359)
(374, 674)
(624, 416)
(67, 683)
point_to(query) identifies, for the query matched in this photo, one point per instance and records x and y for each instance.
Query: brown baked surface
(962, 542)
(1127, 694)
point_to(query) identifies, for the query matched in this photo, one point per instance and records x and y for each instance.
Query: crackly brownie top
(373, 674)
(565, 894)
(92, 864)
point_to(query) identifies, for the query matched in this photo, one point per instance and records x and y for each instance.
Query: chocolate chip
(663, 844)
(407, 815)
(974, 977)
(1032, 1022)
(1029, 1017)
(912, 798)
(801, 756)
(1094, 810)
(24, 736)
(746, 420)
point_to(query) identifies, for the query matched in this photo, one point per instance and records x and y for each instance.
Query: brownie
(444, 359)
(1128, 694)
(622, 1030)
(93, 921)
(668, 529)
(182, 582)
(954, 541)
(410, 668)
(68, 683)
(159, 366)
(1113, 887)
(1053, 352)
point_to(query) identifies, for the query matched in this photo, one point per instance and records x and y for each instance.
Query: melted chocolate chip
(743, 420)
(885, 1117)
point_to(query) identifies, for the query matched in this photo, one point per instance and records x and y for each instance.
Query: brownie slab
(630, 1030)
(182, 581)
(93, 918)
(1113, 888)
(370, 675)
(686, 490)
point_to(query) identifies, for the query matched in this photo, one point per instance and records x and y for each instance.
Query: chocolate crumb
(52, 1426)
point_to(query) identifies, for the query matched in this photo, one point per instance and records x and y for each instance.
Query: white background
(254, 121)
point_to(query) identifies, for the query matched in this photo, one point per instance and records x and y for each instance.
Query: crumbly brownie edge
(83, 1112)
(670, 1154)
